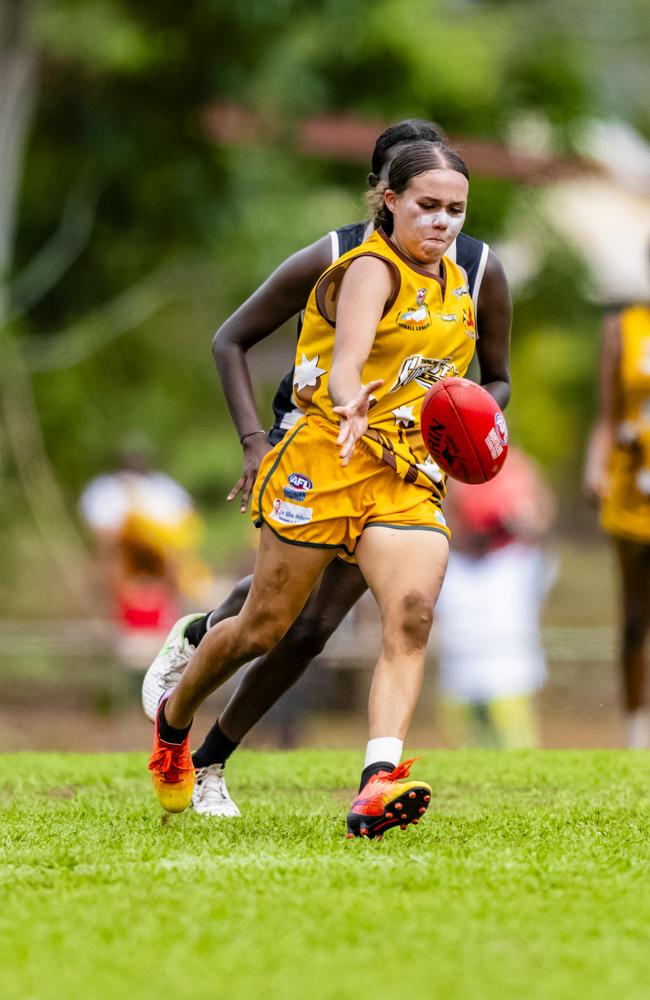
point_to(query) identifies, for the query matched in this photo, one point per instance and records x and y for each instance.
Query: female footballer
(381, 325)
(281, 296)
(617, 476)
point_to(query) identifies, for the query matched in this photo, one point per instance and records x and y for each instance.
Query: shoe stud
(412, 795)
(427, 798)
(349, 836)
(389, 815)
(364, 831)
(398, 806)
(402, 826)
(415, 821)
(421, 810)
(404, 816)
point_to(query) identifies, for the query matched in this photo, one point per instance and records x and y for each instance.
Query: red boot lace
(371, 798)
(170, 762)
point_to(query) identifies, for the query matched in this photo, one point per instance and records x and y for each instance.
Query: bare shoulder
(494, 278)
(307, 264)
(370, 267)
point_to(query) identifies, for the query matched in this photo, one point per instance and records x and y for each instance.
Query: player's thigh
(284, 577)
(404, 568)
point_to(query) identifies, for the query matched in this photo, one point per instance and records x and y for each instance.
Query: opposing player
(281, 296)
(403, 318)
(617, 476)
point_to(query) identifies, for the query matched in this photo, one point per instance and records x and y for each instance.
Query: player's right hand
(255, 448)
(595, 486)
(353, 419)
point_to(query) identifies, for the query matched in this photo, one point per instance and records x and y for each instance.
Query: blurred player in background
(617, 476)
(146, 530)
(282, 296)
(497, 580)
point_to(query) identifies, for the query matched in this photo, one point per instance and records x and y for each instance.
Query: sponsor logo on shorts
(298, 495)
(501, 427)
(290, 513)
(298, 488)
(300, 482)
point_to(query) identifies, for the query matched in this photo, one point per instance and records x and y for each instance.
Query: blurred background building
(156, 163)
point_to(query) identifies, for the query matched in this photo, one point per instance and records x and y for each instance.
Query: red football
(464, 430)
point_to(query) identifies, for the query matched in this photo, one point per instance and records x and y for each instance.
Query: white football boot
(210, 796)
(165, 671)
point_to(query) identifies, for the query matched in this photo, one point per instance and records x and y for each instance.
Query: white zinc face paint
(429, 221)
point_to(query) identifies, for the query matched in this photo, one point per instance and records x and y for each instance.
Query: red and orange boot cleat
(385, 801)
(172, 771)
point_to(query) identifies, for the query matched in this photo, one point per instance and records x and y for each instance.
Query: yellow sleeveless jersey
(427, 333)
(626, 510)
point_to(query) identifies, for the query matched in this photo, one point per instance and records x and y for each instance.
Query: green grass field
(528, 878)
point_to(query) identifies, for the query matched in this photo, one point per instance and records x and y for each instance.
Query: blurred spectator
(490, 652)
(617, 475)
(146, 531)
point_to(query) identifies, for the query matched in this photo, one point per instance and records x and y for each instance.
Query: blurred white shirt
(108, 500)
(488, 623)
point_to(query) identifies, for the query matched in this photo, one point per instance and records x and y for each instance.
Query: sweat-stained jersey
(427, 332)
(626, 510)
(469, 253)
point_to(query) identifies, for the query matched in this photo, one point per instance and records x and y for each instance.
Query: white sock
(637, 729)
(387, 748)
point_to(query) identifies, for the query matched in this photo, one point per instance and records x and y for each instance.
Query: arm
(365, 289)
(494, 316)
(601, 439)
(281, 296)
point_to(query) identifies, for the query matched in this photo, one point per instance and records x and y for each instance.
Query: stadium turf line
(528, 878)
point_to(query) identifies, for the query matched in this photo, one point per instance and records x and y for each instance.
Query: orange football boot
(172, 771)
(385, 801)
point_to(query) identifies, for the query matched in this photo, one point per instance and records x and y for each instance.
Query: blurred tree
(136, 234)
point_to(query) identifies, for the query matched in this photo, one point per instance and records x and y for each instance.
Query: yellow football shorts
(304, 494)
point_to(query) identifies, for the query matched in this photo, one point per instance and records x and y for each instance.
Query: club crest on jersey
(418, 316)
(469, 322)
(424, 371)
(298, 488)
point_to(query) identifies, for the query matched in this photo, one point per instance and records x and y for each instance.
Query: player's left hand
(354, 419)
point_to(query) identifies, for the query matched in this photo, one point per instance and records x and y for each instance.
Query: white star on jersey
(430, 469)
(307, 372)
(404, 416)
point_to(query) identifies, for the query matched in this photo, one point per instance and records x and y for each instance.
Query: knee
(309, 635)
(412, 622)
